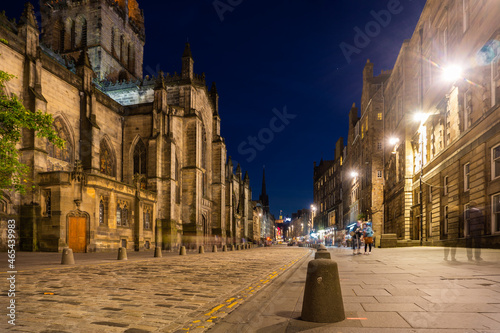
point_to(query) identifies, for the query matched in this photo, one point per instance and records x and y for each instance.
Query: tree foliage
(13, 118)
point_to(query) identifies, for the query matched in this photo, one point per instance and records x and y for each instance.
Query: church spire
(187, 63)
(264, 198)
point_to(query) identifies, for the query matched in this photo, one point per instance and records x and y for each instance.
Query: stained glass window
(66, 153)
(118, 215)
(107, 160)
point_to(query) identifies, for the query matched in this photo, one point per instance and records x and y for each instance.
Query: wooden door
(77, 234)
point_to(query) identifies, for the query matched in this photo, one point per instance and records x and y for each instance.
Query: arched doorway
(77, 231)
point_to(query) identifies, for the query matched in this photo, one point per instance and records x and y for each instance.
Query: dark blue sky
(267, 55)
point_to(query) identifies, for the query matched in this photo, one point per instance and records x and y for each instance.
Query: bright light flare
(452, 73)
(354, 174)
(394, 141)
(420, 117)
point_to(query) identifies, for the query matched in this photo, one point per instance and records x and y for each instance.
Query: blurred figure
(356, 238)
(475, 228)
(368, 237)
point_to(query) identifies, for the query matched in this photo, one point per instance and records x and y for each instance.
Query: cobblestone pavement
(169, 294)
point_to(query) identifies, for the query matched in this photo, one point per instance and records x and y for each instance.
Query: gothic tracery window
(140, 158)
(66, 153)
(106, 159)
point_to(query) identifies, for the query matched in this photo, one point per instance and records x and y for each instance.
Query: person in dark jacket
(356, 238)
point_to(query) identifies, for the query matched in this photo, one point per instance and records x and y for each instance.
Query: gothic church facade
(144, 163)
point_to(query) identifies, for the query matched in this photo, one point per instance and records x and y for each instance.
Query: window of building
(147, 218)
(445, 185)
(379, 116)
(379, 173)
(495, 162)
(140, 158)
(101, 212)
(495, 214)
(66, 153)
(430, 193)
(124, 216)
(118, 215)
(467, 177)
(379, 145)
(106, 159)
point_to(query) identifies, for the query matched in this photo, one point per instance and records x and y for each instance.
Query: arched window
(83, 37)
(66, 153)
(140, 158)
(73, 35)
(101, 212)
(106, 159)
(178, 180)
(58, 37)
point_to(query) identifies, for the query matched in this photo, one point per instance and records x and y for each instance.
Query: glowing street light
(393, 141)
(420, 117)
(354, 174)
(452, 73)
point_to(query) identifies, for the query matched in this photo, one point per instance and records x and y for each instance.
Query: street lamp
(452, 73)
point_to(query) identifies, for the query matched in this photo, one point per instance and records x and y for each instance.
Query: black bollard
(322, 294)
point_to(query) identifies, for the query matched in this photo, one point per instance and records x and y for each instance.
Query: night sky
(281, 55)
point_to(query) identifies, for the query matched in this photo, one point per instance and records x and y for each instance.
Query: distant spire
(246, 178)
(187, 51)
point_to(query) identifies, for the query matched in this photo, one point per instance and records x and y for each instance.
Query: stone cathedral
(144, 163)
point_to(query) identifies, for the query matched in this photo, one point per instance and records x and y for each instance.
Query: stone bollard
(214, 248)
(157, 252)
(224, 248)
(182, 252)
(67, 257)
(232, 247)
(322, 294)
(201, 249)
(322, 255)
(321, 247)
(122, 253)
(238, 247)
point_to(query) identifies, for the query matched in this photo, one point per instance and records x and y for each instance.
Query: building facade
(421, 179)
(144, 163)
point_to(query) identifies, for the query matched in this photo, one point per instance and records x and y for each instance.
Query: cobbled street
(168, 294)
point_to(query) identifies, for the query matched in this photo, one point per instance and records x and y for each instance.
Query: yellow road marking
(214, 309)
(231, 305)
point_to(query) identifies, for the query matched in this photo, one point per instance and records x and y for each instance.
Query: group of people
(365, 232)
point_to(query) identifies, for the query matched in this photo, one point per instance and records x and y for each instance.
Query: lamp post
(313, 210)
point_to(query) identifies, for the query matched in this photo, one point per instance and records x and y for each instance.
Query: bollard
(67, 257)
(182, 252)
(232, 247)
(214, 248)
(157, 252)
(321, 247)
(322, 294)
(122, 253)
(201, 249)
(238, 247)
(224, 248)
(322, 255)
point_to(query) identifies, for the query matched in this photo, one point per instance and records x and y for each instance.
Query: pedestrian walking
(368, 237)
(356, 238)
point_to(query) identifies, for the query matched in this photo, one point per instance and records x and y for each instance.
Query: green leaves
(13, 118)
